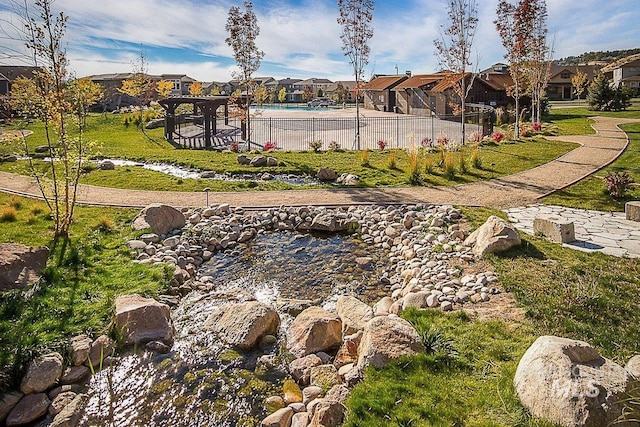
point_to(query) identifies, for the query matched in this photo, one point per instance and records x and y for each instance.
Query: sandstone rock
(567, 382)
(280, 418)
(381, 308)
(141, 320)
(387, 338)
(300, 419)
(30, 408)
(326, 174)
(72, 413)
(258, 161)
(314, 330)
(300, 369)
(243, 159)
(42, 373)
(348, 353)
(101, 348)
(160, 218)
(293, 307)
(310, 393)
(75, 374)
(495, 235)
(7, 402)
(242, 325)
(20, 265)
(353, 313)
(339, 393)
(80, 346)
(328, 413)
(324, 376)
(60, 401)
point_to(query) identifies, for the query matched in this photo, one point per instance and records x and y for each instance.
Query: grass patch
(591, 193)
(118, 141)
(79, 285)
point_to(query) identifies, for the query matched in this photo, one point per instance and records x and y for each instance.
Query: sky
(300, 38)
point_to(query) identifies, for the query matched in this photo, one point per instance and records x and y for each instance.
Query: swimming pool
(292, 107)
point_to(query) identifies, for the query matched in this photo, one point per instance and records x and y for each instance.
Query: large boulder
(386, 338)
(79, 348)
(20, 265)
(160, 218)
(243, 325)
(42, 373)
(30, 408)
(141, 320)
(8, 401)
(495, 235)
(280, 418)
(354, 314)
(326, 174)
(314, 330)
(72, 413)
(258, 161)
(568, 383)
(328, 413)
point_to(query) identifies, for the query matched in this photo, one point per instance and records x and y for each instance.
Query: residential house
(9, 73)
(289, 86)
(560, 87)
(342, 90)
(305, 90)
(415, 95)
(625, 72)
(379, 94)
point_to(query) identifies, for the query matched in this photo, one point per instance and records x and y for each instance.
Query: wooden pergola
(204, 130)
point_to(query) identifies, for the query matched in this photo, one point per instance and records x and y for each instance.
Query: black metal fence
(396, 131)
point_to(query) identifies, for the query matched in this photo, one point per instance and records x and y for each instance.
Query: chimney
(407, 73)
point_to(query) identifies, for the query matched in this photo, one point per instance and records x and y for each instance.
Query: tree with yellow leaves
(195, 89)
(164, 88)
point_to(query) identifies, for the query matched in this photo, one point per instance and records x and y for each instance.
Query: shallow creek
(203, 383)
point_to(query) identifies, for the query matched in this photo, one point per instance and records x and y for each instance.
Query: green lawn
(117, 141)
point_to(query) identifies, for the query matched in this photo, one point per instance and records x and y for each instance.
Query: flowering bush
(618, 183)
(269, 145)
(537, 127)
(525, 133)
(475, 137)
(382, 144)
(316, 145)
(497, 136)
(442, 140)
(235, 147)
(334, 146)
(426, 142)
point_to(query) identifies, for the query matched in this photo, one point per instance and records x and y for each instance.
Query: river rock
(106, 165)
(60, 401)
(280, 418)
(141, 320)
(258, 161)
(381, 308)
(30, 408)
(20, 265)
(495, 235)
(314, 330)
(42, 373)
(7, 402)
(75, 374)
(272, 161)
(293, 307)
(243, 159)
(324, 222)
(353, 313)
(300, 369)
(326, 174)
(386, 338)
(348, 179)
(101, 348)
(72, 413)
(348, 353)
(80, 346)
(301, 419)
(567, 382)
(161, 219)
(415, 299)
(242, 325)
(338, 393)
(328, 413)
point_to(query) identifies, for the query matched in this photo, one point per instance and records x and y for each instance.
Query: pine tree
(600, 94)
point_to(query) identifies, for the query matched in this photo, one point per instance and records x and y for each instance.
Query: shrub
(104, 224)
(269, 145)
(525, 133)
(618, 183)
(364, 157)
(8, 214)
(462, 163)
(315, 145)
(391, 160)
(414, 167)
(15, 203)
(428, 164)
(334, 146)
(382, 144)
(449, 166)
(497, 136)
(476, 160)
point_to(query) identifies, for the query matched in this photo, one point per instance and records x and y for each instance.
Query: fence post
(313, 128)
(270, 138)
(397, 132)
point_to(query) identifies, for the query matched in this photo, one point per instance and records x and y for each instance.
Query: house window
(176, 84)
(564, 75)
(381, 98)
(634, 84)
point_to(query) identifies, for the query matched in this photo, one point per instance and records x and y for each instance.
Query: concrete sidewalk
(596, 151)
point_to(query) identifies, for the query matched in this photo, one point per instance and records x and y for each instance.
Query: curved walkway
(596, 151)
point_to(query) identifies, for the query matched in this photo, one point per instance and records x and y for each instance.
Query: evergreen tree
(600, 93)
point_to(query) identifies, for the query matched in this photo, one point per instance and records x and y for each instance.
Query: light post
(206, 190)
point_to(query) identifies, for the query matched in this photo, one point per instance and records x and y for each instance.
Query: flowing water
(202, 382)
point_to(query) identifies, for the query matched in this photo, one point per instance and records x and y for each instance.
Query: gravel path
(596, 151)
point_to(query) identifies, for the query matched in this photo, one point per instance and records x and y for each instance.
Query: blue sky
(300, 38)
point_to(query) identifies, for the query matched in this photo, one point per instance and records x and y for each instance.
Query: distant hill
(588, 57)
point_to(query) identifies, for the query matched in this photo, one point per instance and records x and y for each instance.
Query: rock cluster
(425, 247)
(53, 391)
(258, 161)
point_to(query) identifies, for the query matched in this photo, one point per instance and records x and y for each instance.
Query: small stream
(190, 173)
(202, 382)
